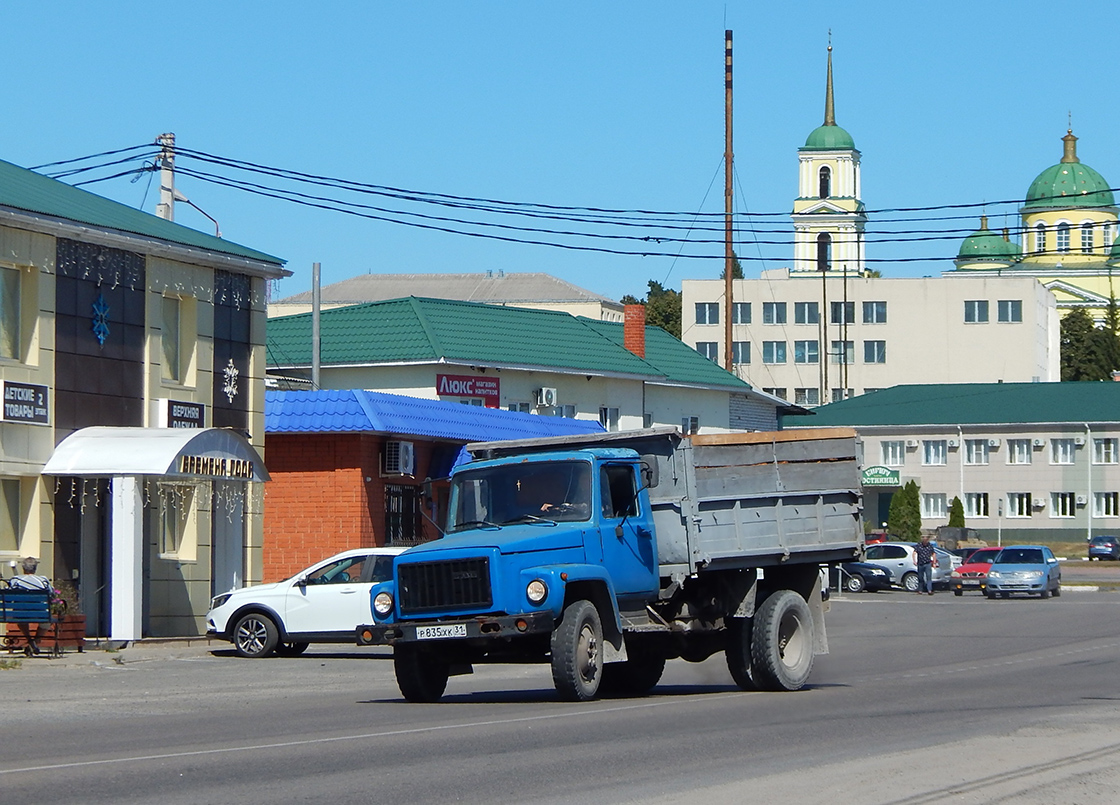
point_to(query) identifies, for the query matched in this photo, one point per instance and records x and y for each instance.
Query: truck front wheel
(577, 652)
(782, 642)
(421, 677)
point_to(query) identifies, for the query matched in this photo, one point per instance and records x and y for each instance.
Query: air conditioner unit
(546, 397)
(911, 442)
(1037, 502)
(1079, 441)
(400, 458)
(1039, 442)
(993, 442)
(1082, 500)
(952, 442)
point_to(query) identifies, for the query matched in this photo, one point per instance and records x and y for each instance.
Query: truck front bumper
(479, 627)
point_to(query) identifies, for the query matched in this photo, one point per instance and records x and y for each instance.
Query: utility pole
(728, 161)
(316, 338)
(166, 207)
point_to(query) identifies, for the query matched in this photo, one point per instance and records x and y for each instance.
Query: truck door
(631, 559)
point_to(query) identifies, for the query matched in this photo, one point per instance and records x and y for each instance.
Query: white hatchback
(323, 604)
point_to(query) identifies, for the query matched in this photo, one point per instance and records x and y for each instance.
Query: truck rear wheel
(739, 652)
(421, 677)
(782, 642)
(577, 652)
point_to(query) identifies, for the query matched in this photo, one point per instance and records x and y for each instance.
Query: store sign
(185, 414)
(24, 402)
(880, 476)
(216, 466)
(488, 388)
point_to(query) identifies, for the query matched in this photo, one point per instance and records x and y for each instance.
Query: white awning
(184, 453)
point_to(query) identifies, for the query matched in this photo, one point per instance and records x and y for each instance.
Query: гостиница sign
(880, 476)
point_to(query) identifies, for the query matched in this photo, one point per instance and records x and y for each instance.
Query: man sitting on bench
(30, 580)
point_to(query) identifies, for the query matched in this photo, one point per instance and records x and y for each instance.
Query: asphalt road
(922, 700)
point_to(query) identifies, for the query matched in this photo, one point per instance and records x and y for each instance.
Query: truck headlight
(383, 604)
(536, 591)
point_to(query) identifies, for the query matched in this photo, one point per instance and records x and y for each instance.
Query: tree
(736, 269)
(956, 513)
(663, 307)
(1085, 349)
(904, 520)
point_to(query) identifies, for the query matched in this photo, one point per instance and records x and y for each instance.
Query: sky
(603, 105)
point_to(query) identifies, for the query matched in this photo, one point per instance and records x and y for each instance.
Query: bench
(26, 606)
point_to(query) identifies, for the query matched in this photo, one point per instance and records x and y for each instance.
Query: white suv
(323, 604)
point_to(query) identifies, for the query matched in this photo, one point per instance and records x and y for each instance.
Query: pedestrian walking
(925, 557)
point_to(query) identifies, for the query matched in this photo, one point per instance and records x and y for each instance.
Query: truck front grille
(431, 587)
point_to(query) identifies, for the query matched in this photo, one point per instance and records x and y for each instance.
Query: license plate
(440, 631)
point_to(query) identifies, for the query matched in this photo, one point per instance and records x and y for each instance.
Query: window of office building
(842, 394)
(807, 396)
(1010, 310)
(843, 312)
(1018, 451)
(806, 352)
(842, 352)
(933, 505)
(1106, 504)
(740, 312)
(740, 351)
(773, 312)
(874, 312)
(976, 451)
(1018, 504)
(777, 391)
(9, 312)
(934, 452)
(773, 351)
(874, 351)
(976, 311)
(1062, 504)
(1061, 451)
(608, 418)
(690, 424)
(709, 349)
(806, 313)
(707, 312)
(893, 452)
(1105, 451)
(975, 504)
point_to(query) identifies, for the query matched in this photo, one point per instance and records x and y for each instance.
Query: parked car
(897, 558)
(1031, 569)
(973, 574)
(1104, 547)
(856, 577)
(321, 604)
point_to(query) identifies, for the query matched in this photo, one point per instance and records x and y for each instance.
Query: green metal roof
(27, 191)
(972, 404)
(986, 245)
(417, 329)
(829, 137)
(1070, 183)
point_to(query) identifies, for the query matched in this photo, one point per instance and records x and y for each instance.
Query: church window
(824, 251)
(1087, 238)
(1040, 239)
(1063, 238)
(825, 182)
(1107, 237)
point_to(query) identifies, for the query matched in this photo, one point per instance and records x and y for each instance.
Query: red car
(973, 574)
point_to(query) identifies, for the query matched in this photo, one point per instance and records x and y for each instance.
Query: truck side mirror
(649, 471)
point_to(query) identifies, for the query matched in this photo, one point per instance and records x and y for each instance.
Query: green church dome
(984, 245)
(1070, 183)
(830, 138)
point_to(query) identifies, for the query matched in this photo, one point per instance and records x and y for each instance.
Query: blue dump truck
(605, 555)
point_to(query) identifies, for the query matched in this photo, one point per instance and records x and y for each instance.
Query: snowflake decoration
(230, 374)
(101, 319)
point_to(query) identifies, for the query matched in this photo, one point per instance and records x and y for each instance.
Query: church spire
(1069, 143)
(829, 113)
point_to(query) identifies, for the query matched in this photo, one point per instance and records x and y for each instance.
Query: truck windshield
(550, 492)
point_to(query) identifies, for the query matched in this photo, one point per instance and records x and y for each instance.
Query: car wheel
(782, 642)
(291, 649)
(910, 582)
(855, 583)
(991, 596)
(1044, 594)
(255, 635)
(958, 592)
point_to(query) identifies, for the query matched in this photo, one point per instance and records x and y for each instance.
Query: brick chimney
(634, 329)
